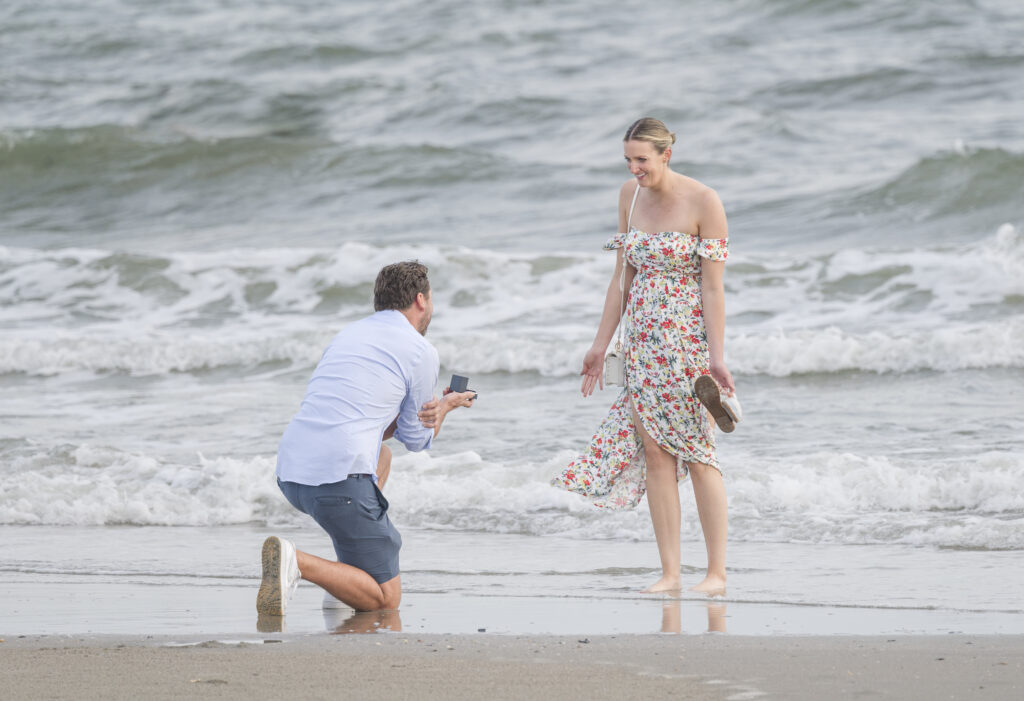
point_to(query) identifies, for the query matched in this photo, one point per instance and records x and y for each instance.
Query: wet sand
(399, 666)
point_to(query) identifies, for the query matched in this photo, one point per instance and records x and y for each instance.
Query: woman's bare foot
(712, 586)
(664, 584)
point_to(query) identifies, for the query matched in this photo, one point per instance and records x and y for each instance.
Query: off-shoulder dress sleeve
(712, 249)
(616, 241)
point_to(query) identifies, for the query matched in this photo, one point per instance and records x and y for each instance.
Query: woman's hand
(593, 371)
(723, 377)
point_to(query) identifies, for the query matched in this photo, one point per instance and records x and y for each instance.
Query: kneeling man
(375, 381)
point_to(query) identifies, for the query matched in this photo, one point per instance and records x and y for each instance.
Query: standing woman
(671, 253)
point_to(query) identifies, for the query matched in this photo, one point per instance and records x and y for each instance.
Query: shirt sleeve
(414, 435)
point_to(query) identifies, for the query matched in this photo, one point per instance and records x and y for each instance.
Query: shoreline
(192, 581)
(153, 609)
(424, 666)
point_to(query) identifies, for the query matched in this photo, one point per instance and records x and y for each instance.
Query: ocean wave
(97, 485)
(943, 308)
(83, 284)
(164, 167)
(157, 354)
(820, 498)
(997, 344)
(946, 186)
(830, 350)
(927, 283)
(64, 158)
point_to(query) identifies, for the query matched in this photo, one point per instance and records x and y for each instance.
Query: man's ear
(421, 301)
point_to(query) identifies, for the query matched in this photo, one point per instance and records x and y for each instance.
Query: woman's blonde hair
(652, 131)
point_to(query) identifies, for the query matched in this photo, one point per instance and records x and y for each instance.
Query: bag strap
(630, 217)
(622, 274)
(622, 302)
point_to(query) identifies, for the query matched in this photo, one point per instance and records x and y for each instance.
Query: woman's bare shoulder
(708, 197)
(694, 189)
(707, 207)
(626, 193)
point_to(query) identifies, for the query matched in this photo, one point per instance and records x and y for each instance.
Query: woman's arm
(713, 225)
(614, 305)
(614, 308)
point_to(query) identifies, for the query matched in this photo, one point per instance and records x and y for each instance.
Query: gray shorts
(355, 514)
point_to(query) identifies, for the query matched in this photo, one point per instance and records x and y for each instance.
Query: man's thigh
(354, 514)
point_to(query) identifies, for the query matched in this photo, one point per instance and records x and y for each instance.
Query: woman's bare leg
(663, 500)
(713, 510)
(383, 466)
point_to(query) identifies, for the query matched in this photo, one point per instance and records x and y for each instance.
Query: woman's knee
(701, 471)
(664, 464)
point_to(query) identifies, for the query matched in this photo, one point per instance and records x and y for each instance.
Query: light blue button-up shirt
(374, 370)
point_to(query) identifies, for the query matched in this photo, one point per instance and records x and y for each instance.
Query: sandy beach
(397, 666)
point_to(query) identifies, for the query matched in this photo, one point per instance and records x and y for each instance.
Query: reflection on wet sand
(265, 623)
(672, 616)
(340, 621)
(716, 617)
(345, 620)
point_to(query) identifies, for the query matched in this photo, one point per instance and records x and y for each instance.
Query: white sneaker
(726, 410)
(331, 603)
(732, 405)
(280, 576)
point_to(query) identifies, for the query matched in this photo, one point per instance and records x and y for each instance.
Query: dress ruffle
(616, 241)
(713, 249)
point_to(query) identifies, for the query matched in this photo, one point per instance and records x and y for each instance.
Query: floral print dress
(666, 351)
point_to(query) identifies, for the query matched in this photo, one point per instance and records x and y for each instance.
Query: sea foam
(69, 310)
(819, 498)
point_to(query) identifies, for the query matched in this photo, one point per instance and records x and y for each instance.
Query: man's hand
(457, 399)
(432, 413)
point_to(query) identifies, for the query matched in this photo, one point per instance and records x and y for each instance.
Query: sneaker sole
(710, 396)
(270, 600)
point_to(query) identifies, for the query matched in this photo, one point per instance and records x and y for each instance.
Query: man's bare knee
(391, 593)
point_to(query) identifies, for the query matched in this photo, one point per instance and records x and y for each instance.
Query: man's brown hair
(398, 284)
